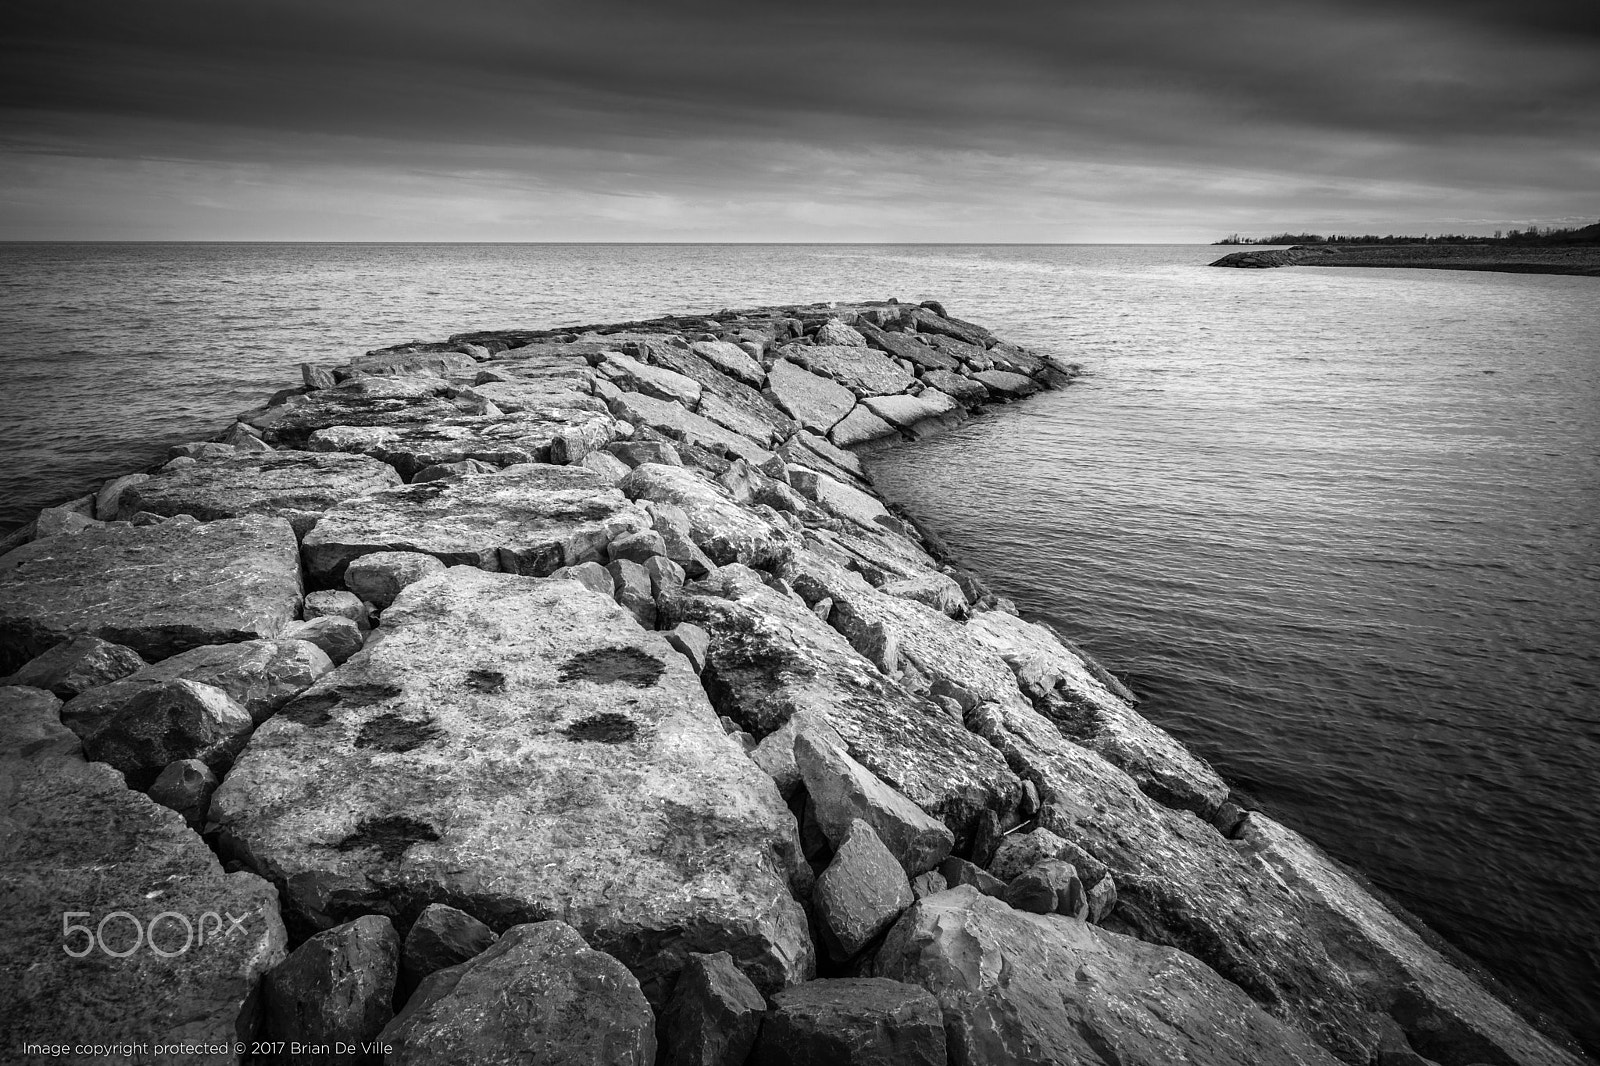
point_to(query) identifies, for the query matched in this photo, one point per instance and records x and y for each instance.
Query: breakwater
(1580, 260)
(587, 665)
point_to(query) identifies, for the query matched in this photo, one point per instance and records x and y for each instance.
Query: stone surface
(731, 360)
(637, 547)
(296, 485)
(336, 988)
(958, 387)
(378, 578)
(718, 526)
(692, 641)
(860, 894)
(161, 723)
(590, 575)
(638, 452)
(441, 937)
(842, 791)
(76, 841)
(156, 589)
(259, 675)
(836, 332)
(1019, 987)
(815, 401)
(860, 426)
(863, 1021)
(851, 504)
(457, 469)
(957, 872)
(337, 638)
(186, 787)
(539, 995)
(1005, 384)
(608, 466)
(336, 603)
(677, 535)
(77, 665)
(530, 519)
(855, 367)
(666, 576)
(442, 364)
(939, 591)
(820, 454)
(631, 584)
(634, 376)
(713, 1015)
(906, 346)
(1049, 887)
(108, 501)
(517, 748)
(903, 412)
(57, 521)
(678, 423)
(1018, 851)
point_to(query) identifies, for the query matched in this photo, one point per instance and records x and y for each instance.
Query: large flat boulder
(904, 412)
(82, 858)
(528, 519)
(860, 426)
(1017, 987)
(862, 370)
(677, 422)
(443, 364)
(738, 391)
(520, 749)
(720, 527)
(297, 485)
(562, 436)
(906, 346)
(815, 401)
(158, 589)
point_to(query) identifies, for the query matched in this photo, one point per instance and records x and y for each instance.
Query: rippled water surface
(1338, 528)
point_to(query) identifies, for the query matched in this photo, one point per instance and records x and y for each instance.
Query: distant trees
(1533, 235)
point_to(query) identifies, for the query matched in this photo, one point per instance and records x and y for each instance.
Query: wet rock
(692, 641)
(815, 401)
(337, 604)
(337, 638)
(186, 787)
(156, 589)
(863, 1021)
(78, 842)
(1003, 384)
(259, 675)
(108, 501)
(539, 995)
(903, 412)
(378, 578)
(632, 590)
(590, 575)
(160, 724)
(834, 331)
(713, 1015)
(441, 937)
(634, 376)
(530, 519)
(638, 452)
(457, 469)
(718, 526)
(336, 988)
(859, 427)
(957, 872)
(1017, 987)
(842, 791)
(77, 665)
(680, 424)
(1049, 887)
(855, 367)
(731, 360)
(517, 748)
(958, 387)
(860, 894)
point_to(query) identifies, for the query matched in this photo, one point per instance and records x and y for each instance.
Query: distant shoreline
(1581, 260)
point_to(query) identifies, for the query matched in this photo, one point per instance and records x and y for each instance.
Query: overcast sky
(959, 120)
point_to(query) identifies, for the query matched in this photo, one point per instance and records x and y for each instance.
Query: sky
(940, 120)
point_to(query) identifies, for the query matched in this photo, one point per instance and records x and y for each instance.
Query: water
(1337, 527)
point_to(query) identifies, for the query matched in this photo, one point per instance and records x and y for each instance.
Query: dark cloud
(1330, 105)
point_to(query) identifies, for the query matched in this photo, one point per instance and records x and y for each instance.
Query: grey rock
(77, 665)
(638, 547)
(815, 401)
(863, 1021)
(926, 884)
(161, 724)
(336, 988)
(957, 386)
(930, 318)
(903, 412)
(441, 937)
(108, 501)
(849, 503)
(1102, 898)
(680, 424)
(337, 638)
(632, 590)
(731, 360)
(856, 368)
(456, 469)
(860, 894)
(1069, 992)
(677, 534)
(186, 787)
(1019, 851)
(843, 791)
(860, 426)
(56, 521)
(379, 577)
(713, 1015)
(638, 452)
(1049, 887)
(79, 842)
(834, 331)
(157, 589)
(518, 747)
(630, 374)
(1007, 385)
(666, 576)
(608, 466)
(336, 603)
(692, 641)
(590, 575)
(906, 346)
(317, 377)
(539, 995)
(244, 438)
(203, 451)
(939, 591)
(384, 364)
(958, 872)
(719, 527)
(818, 453)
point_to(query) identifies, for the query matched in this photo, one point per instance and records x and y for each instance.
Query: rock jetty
(571, 697)
(1582, 260)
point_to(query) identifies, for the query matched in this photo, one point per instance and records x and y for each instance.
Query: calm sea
(1337, 528)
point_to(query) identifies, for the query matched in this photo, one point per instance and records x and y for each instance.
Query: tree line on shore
(1533, 235)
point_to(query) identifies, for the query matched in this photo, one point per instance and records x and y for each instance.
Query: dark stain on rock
(606, 728)
(397, 733)
(389, 836)
(613, 666)
(487, 681)
(424, 492)
(312, 710)
(1077, 718)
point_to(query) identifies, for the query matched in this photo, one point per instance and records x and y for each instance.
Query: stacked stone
(571, 697)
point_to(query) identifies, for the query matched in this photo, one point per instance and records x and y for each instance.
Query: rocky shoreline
(570, 696)
(1579, 260)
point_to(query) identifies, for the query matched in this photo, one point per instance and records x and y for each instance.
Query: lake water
(1338, 529)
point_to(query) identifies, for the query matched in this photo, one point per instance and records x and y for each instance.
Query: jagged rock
(1001, 383)
(638, 452)
(680, 424)
(731, 360)
(939, 591)
(440, 364)
(78, 846)
(873, 373)
(677, 534)
(861, 893)
(638, 547)
(156, 589)
(859, 427)
(971, 355)
(957, 872)
(1102, 898)
(380, 577)
(718, 526)
(933, 320)
(530, 519)
(108, 500)
(634, 376)
(717, 385)
(903, 412)
(331, 603)
(336, 988)
(713, 1015)
(842, 791)
(692, 641)
(818, 453)
(337, 638)
(516, 748)
(441, 937)
(834, 331)
(632, 590)
(258, 675)
(852, 504)
(1009, 357)
(244, 438)
(205, 451)
(159, 724)
(1049, 887)
(906, 346)
(926, 884)
(958, 387)
(1017, 852)
(816, 402)
(77, 665)
(58, 521)
(1017, 987)
(186, 787)
(861, 1021)
(666, 576)
(606, 465)
(772, 660)
(457, 469)
(590, 575)
(317, 377)
(539, 995)
(732, 417)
